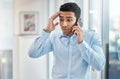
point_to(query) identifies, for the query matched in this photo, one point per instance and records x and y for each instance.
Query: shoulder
(90, 36)
(89, 33)
(54, 35)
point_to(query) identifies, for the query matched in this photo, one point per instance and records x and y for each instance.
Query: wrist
(47, 30)
(80, 42)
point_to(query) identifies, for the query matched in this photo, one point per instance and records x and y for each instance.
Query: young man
(74, 50)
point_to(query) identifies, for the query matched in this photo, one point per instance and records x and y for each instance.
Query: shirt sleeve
(93, 54)
(41, 45)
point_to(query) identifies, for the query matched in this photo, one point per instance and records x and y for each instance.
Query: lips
(64, 29)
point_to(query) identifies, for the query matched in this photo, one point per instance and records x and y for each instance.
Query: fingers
(56, 23)
(77, 30)
(55, 15)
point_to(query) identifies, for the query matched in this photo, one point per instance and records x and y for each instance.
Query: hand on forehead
(55, 15)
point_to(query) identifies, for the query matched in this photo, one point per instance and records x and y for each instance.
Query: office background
(102, 16)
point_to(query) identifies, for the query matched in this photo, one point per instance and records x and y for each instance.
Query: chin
(64, 33)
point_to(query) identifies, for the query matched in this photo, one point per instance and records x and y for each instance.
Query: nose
(64, 23)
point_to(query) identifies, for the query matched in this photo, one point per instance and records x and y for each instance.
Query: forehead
(67, 14)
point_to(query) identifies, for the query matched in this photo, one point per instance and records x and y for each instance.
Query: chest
(65, 47)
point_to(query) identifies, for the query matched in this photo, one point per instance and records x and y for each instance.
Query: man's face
(67, 21)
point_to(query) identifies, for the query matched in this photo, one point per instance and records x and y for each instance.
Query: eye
(61, 19)
(69, 20)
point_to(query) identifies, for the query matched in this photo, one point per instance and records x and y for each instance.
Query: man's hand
(79, 32)
(51, 25)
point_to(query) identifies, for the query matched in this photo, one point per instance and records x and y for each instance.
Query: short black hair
(72, 7)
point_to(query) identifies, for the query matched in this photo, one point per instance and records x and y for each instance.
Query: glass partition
(95, 24)
(114, 39)
(95, 10)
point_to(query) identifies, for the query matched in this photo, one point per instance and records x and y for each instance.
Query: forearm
(92, 55)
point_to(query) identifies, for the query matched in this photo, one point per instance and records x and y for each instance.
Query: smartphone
(76, 23)
(79, 22)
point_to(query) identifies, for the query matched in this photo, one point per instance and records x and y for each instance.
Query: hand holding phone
(79, 33)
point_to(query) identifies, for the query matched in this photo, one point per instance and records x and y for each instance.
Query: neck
(70, 33)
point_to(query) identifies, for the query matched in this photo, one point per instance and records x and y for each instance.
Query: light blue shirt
(71, 60)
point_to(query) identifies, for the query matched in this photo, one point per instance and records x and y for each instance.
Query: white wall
(6, 23)
(23, 66)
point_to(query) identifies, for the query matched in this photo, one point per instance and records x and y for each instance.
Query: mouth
(64, 29)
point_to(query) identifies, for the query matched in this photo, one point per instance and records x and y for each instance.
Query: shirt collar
(72, 39)
(65, 36)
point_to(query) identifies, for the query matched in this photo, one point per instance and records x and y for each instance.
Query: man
(74, 50)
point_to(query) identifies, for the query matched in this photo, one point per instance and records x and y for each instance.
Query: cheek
(70, 27)
(71, 24)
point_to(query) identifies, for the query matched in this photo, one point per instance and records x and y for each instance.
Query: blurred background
(102, 16)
